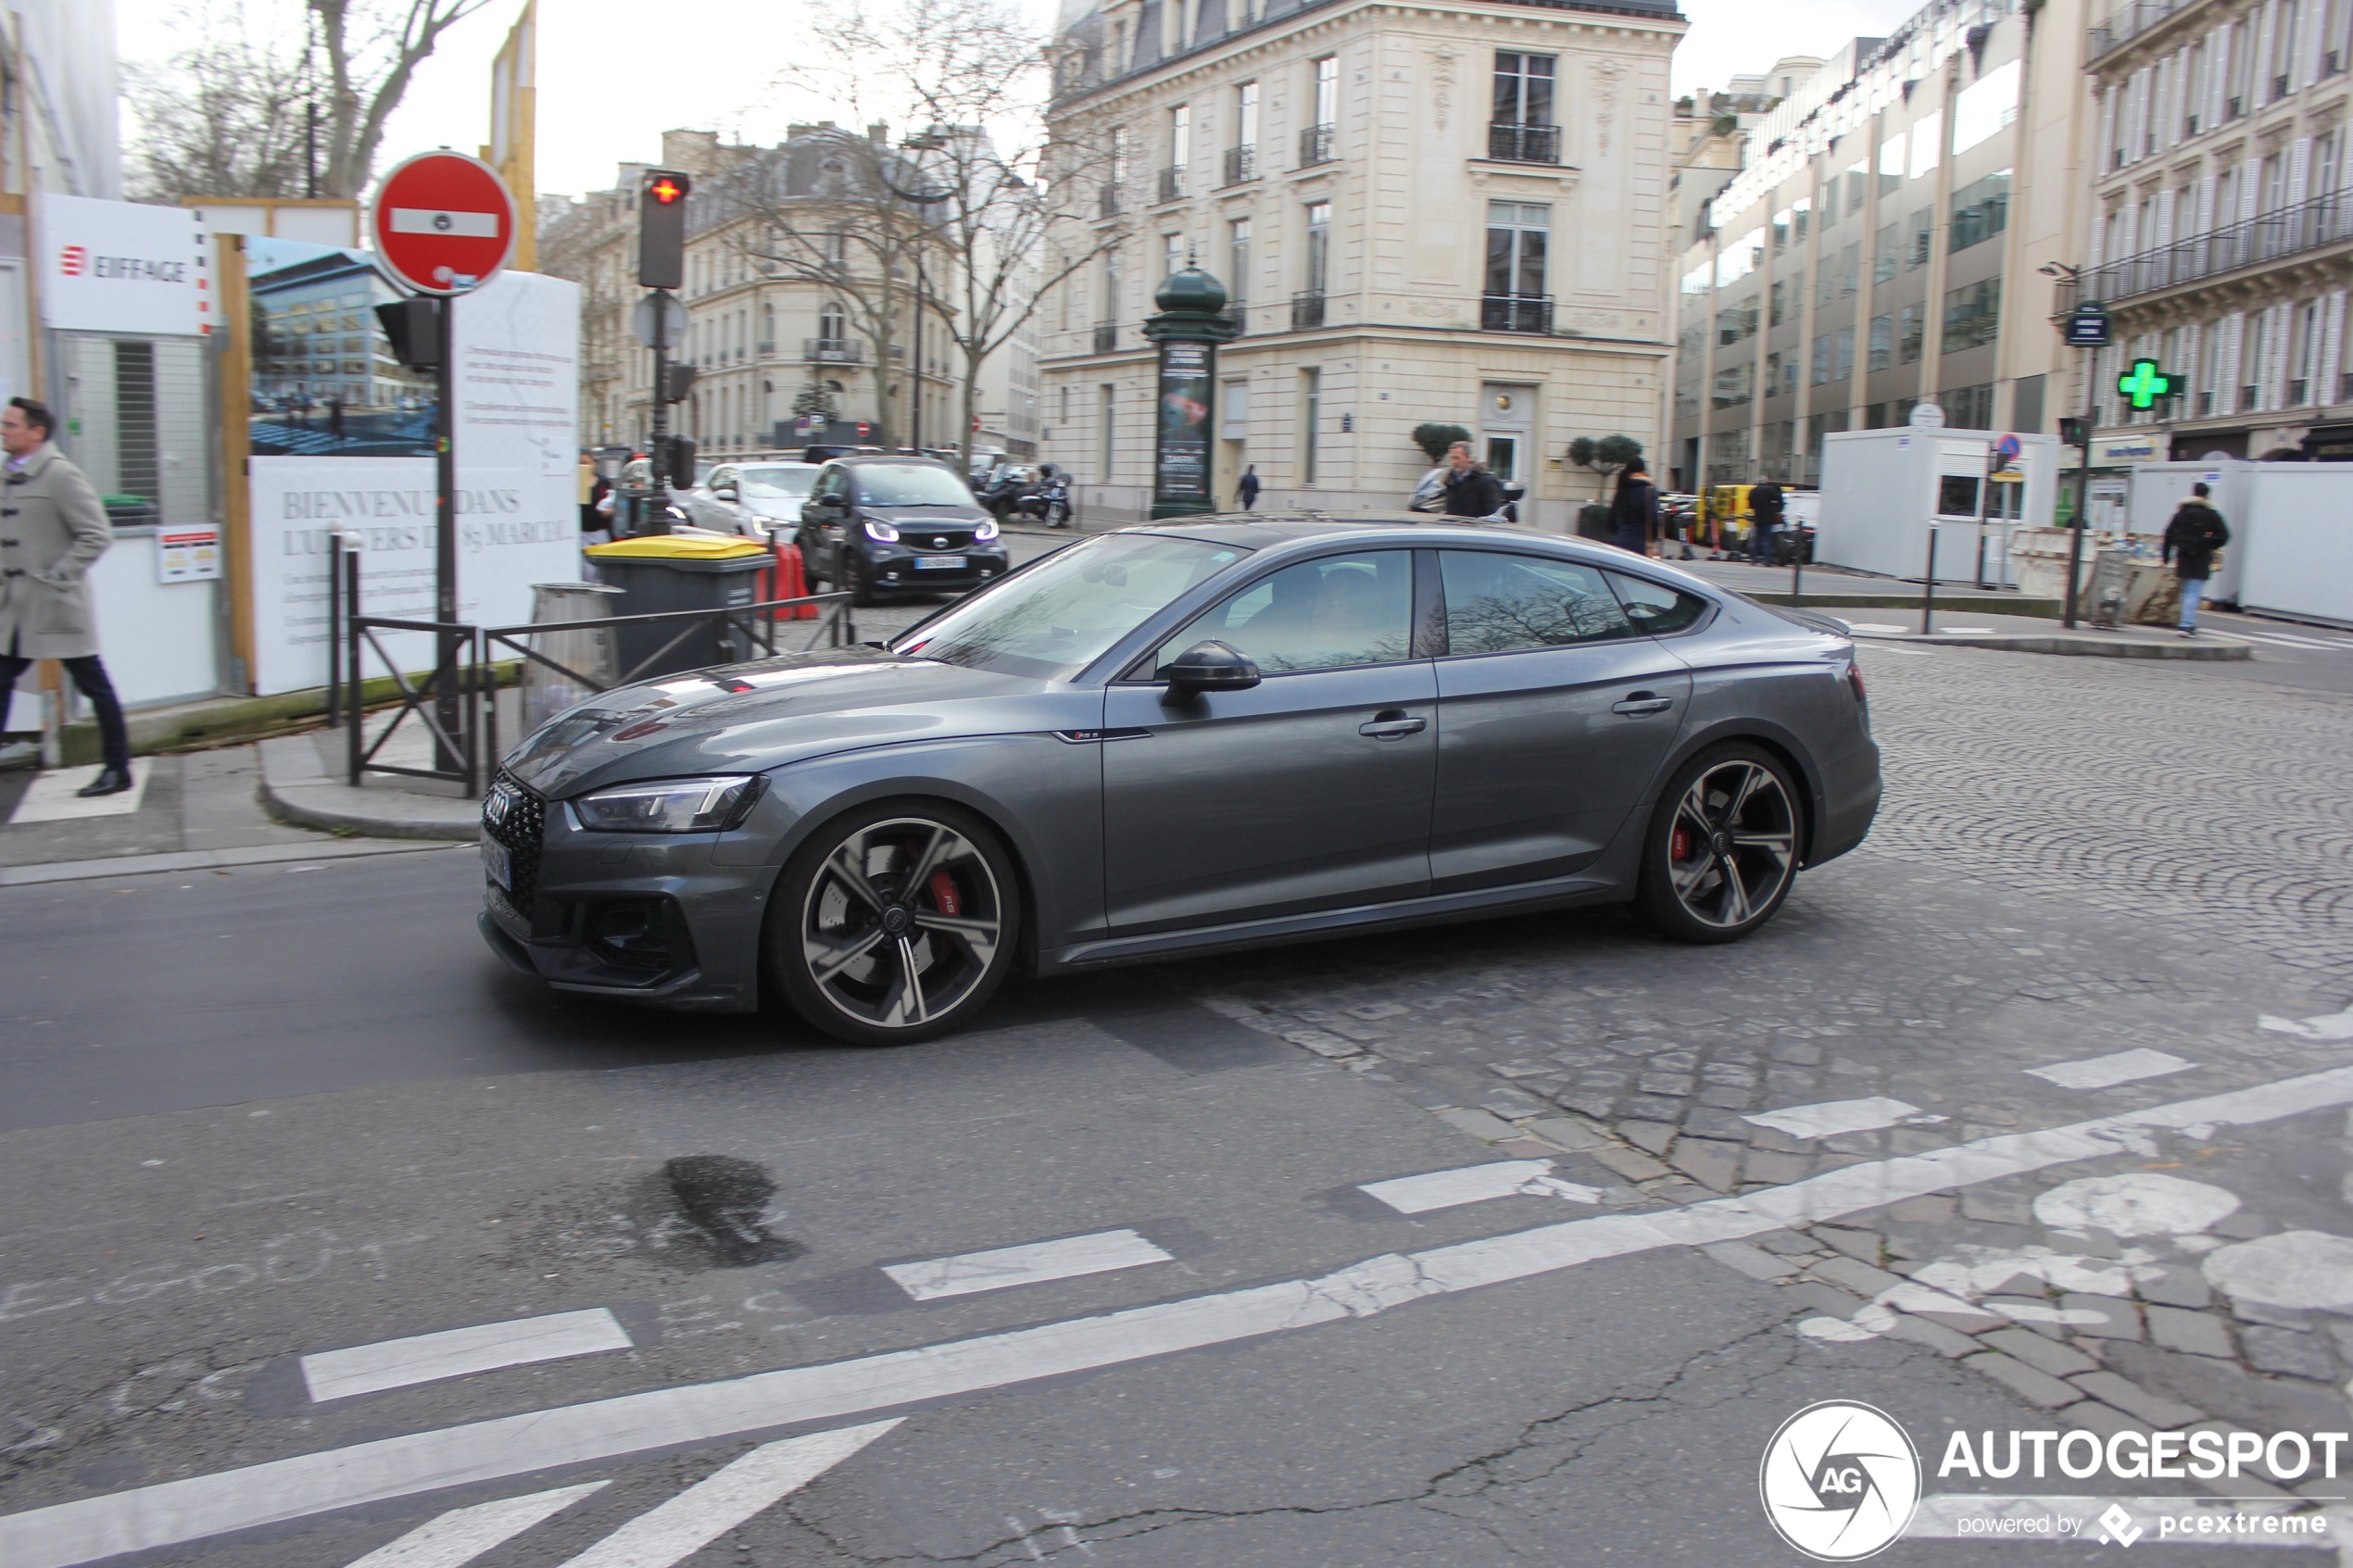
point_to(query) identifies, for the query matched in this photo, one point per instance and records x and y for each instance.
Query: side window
(1322, 614)
(722, 478)
(1655, 609)
(1498, 603)
(833, 482)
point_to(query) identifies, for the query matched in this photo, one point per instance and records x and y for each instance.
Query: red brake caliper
(1680, 850)
(943, 894)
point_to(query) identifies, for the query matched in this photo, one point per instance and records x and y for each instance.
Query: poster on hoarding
(518, 514)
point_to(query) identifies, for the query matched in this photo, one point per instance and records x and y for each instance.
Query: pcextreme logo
(75, 261)
(1840, 1481)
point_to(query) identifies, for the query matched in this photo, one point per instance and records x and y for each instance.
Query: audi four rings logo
(500, 802)
(75, 261)
(1840, 1481)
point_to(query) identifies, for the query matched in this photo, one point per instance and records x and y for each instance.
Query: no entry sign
(444, 223)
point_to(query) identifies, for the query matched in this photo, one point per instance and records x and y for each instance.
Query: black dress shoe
(113, 781)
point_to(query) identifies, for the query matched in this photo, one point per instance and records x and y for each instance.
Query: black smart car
(882, 526)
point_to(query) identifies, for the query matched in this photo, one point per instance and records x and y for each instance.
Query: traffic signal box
(662, 229)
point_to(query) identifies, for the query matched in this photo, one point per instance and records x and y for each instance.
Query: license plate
(939, 563)
(498, 863)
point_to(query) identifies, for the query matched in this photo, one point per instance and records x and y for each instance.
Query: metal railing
(1172, 182)
(455, 758)
(1510, 143)
(833, 350)
(1306, 311)
(1515, 313)
(1316, 145)
(1236, 315)
(1106, 337)
(2307, 225)
(2131, 22)
(1241, 165)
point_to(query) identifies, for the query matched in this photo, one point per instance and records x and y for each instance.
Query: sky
(614, 74)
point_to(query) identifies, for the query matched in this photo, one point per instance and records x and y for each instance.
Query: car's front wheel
(894, 923)
(1720, 853)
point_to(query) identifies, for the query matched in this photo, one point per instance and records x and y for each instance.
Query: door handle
(1637, 704)
(1392, 724)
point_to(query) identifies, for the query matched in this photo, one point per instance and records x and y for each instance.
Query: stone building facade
(1450, 213)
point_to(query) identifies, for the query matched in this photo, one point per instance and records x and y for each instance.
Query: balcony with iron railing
(2292, 231)
(1241, 165)
(2129, 24)
(1106, 337)
(1510, 143)
(833, 350)
(1236, 315)
(1307, 310)
(1316, 145)
(1515, 313)
(1172, 184)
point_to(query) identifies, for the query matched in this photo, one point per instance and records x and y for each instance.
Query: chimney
(879, 133)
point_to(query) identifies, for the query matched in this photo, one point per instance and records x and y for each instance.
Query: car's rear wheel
(1720, 853)
(894, 923)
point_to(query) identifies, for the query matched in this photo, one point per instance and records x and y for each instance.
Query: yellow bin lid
(678, 546)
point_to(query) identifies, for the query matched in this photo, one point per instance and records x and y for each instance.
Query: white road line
(1833, 1117)
(968, 1273)
(463, 1534)
(173, 1512)
(1475, 1183)
(2107, 1072)
(724, 1499)
(459, 1352)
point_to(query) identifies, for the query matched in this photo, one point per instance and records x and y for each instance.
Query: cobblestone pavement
(2077, 859)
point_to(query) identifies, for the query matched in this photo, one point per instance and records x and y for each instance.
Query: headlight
(984, 531)
(877, 529)
(712, 805)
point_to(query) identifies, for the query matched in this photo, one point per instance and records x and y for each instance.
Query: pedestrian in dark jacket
(1766, 506)
(2191, 540)
(1246, 488)
(1471, 491)
(1634, 509)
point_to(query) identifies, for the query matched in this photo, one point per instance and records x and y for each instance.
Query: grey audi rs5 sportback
(1177, 739)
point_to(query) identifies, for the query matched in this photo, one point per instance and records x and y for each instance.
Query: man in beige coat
(52, 528)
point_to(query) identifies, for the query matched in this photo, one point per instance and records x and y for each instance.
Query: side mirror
(726, 492)
(1209, 666)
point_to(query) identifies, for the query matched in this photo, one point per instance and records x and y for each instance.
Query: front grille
(522, 825)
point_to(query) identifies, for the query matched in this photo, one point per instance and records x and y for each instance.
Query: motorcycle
(1056, 497)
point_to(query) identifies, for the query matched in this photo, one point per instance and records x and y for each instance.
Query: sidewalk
(1967, 626)
(304, 778)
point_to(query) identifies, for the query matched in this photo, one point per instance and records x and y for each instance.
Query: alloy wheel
(901, 922)
(1732, 846)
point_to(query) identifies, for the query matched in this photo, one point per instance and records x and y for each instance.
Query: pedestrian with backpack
(2191, 540)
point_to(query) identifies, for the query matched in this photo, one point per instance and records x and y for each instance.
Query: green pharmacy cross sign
(2145, 383)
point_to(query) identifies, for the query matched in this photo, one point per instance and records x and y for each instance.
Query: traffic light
(2075, 432)
(678, 380)
(681, 467)
(413, 325)
(662, 229)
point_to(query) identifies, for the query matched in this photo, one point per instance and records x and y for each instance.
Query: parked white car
(753, 499)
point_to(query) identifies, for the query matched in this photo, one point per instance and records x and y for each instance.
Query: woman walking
(1634, 509)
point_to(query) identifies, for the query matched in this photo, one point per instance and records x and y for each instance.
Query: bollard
(1928, 586)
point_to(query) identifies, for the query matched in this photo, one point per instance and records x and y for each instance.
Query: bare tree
(968, 74)
(229, 116)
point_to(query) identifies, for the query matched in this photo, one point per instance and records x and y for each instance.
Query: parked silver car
(1179, 739)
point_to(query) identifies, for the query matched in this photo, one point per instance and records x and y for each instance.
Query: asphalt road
(297, 1109)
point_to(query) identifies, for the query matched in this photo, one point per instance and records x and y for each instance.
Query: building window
(1736, 322)
(1886, 253)
(1910, 324)
(1319, 248)
(1781, 302)
(1315, 141)
(1518, 234)
(1859, 187)
(1972, 315)
(1520, 127)
(1238, 265)
(1311, 418)
(1801, 215)
(1241, 158)
(1735, 384)
(1781, 221)
(1842, 353)
(1172, 255)
(1881, 354)
(2283, 43)
(1180, 148)
(2242, 70)
(1980, 210)
(1105, 395)
(1968, 407)
(1820, 373)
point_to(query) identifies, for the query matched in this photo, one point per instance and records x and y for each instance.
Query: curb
(2069, 644)
(298, 790)
(200, 860)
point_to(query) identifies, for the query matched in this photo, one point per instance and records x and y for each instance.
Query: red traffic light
(666, 190)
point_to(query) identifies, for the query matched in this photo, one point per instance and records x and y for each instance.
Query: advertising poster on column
(518, 515)
(1184, 421)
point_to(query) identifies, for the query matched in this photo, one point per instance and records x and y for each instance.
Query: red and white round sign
(444, 222)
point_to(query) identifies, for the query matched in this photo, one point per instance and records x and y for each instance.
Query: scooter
(1056, 497)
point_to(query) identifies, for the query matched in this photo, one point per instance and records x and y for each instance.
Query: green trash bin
(674, 571)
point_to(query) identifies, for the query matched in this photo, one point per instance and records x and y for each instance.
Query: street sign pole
(658, 443)
(2083, 491)
(444, 546)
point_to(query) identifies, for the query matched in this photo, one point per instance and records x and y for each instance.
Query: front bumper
(667, 919)
(892, 568)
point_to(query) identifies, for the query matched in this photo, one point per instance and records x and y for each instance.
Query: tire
(853, 581)
(867, 957)
(1720, 853)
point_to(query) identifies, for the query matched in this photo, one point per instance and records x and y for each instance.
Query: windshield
(1059, 616)
(784, 483)
(910, 485)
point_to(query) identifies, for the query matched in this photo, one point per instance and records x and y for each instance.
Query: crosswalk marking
(459, 1352)
(1833, 1117)
(463, 1534)
(2107, 1072)
(724, 1499)
(2289, 640)
(968, 1273)
(167, 1514)
(1475, 1183)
